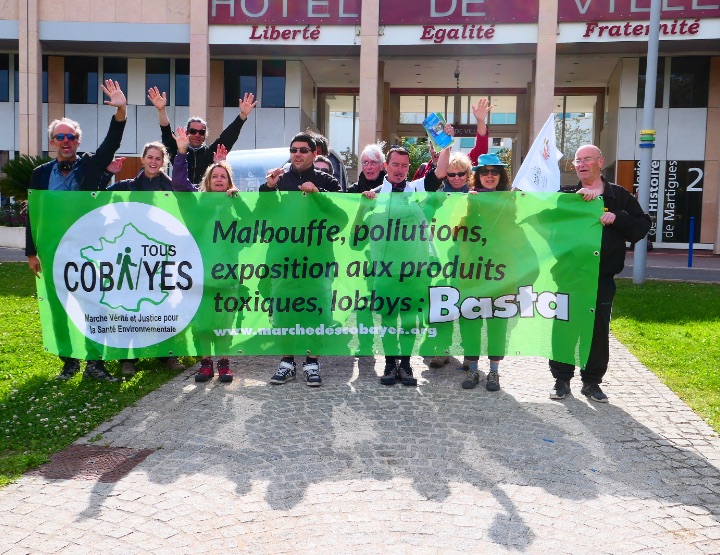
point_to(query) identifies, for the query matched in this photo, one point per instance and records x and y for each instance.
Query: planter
(12, 237)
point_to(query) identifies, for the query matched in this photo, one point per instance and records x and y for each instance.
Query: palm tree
(16, 175)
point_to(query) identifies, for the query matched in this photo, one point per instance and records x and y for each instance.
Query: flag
(540, 171)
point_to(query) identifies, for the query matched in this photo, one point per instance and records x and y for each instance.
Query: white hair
(374, 152)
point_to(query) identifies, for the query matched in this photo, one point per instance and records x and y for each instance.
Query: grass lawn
(674, 329)
(39, 415)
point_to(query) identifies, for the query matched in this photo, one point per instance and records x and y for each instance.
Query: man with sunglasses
(70, 172)
(300, 176)
(623, 220)
(200, 154)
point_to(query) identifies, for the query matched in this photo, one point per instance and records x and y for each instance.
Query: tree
(16, 175)
(419, 154)
(576, 135)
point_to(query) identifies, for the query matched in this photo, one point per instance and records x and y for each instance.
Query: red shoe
(225, 375)
(206, 370)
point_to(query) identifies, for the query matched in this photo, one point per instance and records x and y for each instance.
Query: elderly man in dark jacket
(70, 172)
(623, 220)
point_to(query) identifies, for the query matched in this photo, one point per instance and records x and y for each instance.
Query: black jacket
(631, 224)
(364, 184)
(89, 169)
(200, 158)
(291, 180)
(141, 183)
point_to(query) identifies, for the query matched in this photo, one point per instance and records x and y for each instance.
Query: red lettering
(638, 30)
(490, 33)
(315, 33)
(427, 32)
(589, 28)
(694, 28)
(253, 36)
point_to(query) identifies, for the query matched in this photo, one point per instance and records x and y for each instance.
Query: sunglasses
(62, 136)
(200, 132)
(458, 174)
(301, 150)
(485, 171)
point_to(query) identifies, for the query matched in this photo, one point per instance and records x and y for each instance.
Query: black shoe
(561, 389)
(405, 373)
(473, 378)
(71, 367)
(96, 369)
(390, 375)
(286, 372)
(593, 392)
(493, 381)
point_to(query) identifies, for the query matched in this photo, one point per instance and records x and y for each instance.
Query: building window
(157, 74)
(574, 126)
(660, 84)
(344, 126)
(81, 80)
(45, 79)
(16, 80)
(689, 82)
(273, 84)
(4, 77)
(240, 78)
(115, 69)
(182, 82)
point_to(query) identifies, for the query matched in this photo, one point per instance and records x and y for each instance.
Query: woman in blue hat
(490, 174)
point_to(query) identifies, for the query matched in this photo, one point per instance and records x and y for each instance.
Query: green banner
(129, 274)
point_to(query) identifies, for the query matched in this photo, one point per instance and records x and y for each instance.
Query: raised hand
(220, 154)
(181, 138)
(116, 165)
(481, 110)
(449, 129)
(158, 99)
(246, 105)
(114, 92)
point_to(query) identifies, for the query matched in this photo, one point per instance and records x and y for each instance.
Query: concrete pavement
(357, 467)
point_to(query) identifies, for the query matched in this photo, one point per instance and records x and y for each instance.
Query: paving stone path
(357, 467)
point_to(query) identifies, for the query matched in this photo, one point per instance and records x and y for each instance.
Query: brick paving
(357, 467)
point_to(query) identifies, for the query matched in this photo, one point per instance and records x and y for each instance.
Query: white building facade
(359, 71)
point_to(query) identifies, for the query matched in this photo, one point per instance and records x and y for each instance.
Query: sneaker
(96, 369)
(128, 368)
(405, 374)
(312, 374)
(390, 375)
(71, 366)
(285, 373)
(593, 392)
(172, 363)
(206, 370)
(493, 381)
(561, 389)
(225, 375)
(438, 362)
(473, 378)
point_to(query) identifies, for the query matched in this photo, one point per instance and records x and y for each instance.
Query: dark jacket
(200, 158)
(364, 184)
(89, 169)
(141, 183)
(631, 224)
(291, 181)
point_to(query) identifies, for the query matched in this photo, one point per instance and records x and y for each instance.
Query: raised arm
(180, 177)
(117, 98)
(482, 140)
(159, 100)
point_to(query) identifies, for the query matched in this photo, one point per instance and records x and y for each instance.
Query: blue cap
(488, 160)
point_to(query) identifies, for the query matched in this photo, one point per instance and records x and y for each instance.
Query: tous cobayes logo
(129, 275)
